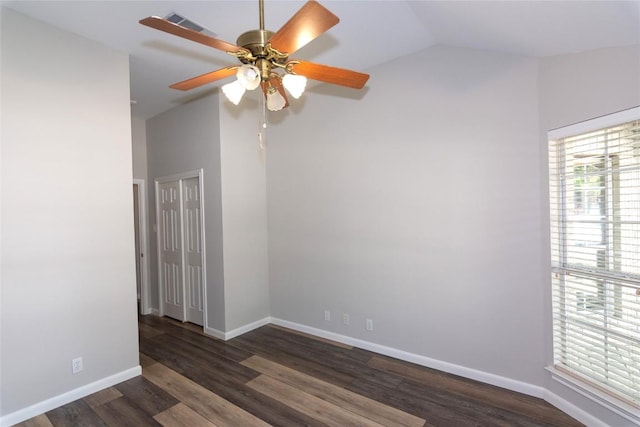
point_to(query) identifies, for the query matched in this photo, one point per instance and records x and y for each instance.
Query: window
(594, 171)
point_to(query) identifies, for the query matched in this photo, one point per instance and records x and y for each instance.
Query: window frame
(565, 377)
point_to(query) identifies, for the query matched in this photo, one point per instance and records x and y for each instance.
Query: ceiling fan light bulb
(275, 101)
(248, 76)
(295, 84)
(233, 91)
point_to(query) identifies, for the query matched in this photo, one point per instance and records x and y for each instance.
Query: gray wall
(575, 88)
(183, 139)
(68, 263)
(417, 207)
(244, 208)
(139, 147)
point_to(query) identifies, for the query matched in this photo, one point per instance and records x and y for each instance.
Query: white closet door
(192, 250)
(170, 241)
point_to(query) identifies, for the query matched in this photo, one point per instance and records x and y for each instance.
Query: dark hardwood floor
(275, 376)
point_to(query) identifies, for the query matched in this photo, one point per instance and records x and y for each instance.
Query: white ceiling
(369, 33)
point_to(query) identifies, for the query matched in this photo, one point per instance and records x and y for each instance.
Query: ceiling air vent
(187, 23)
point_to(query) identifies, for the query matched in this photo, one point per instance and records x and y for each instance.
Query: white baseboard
(238, 331)
(485, 377)
(64, 398)
(247, 328)
(216, 333)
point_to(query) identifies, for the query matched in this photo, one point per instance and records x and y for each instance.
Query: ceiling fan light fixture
(275, 101)
(295, 84)
(248, 76)
(233, 91)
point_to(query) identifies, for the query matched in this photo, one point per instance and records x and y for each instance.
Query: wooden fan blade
(203, 79)
(333, 75)
(186, 33)
(277, 83)
(308, 23)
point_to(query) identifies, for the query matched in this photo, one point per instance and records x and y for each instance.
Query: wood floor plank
(206, 403)
(38, 421)
(262, 406)
(312, 357)
(76, 413)
(302, 344)
(175, 329)
(181, 415)
(486, 415)
(501, 398)
(352, 364)
(211, 344)
(192, 327)
(102, 397)
(148, 331)
(166, 355)
(435, 413)
(146, 395)
(123, 412)
(321, 410)
(200, 357)
(308, 366)
(185, 357)
(145, 360)
(346, 399)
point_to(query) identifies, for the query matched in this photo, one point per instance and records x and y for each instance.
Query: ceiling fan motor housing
(255, 41)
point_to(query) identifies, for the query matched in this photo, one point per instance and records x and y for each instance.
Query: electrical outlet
(76, 365)
(327, 315)
(345, 318)
(369, 325)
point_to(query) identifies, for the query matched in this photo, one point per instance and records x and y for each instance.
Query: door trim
(197, 173)
(145, 307)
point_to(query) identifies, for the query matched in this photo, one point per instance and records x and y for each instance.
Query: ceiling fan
(263, 53)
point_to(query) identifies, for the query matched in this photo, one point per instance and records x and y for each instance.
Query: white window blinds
(595, 238)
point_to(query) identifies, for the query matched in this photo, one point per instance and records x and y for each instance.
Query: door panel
(171, 249)
(193, 250)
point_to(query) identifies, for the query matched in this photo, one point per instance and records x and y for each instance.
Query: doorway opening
(141, 245)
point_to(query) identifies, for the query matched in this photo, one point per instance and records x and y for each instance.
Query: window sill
(617, 406)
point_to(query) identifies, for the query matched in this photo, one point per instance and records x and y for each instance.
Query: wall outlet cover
(76, 365)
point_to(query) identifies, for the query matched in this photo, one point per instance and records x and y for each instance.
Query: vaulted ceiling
(370, 33)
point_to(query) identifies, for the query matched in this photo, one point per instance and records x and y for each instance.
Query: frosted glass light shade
(275, 101)
(248, 76)
(295, 84)
(233, 91)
